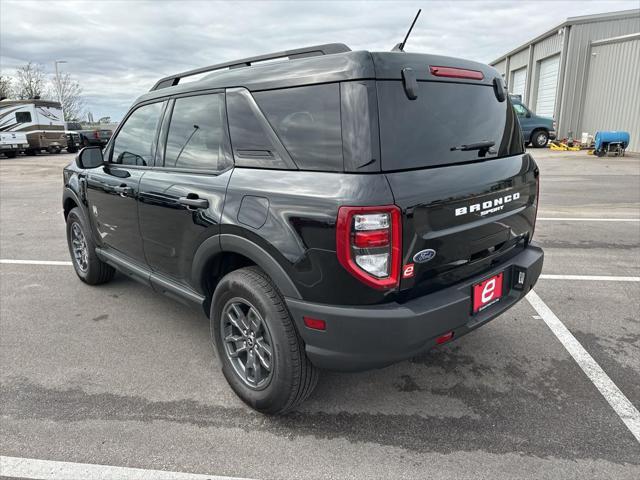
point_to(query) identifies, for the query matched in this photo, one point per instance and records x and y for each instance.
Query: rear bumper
(361, 338)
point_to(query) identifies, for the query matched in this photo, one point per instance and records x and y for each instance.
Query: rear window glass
(432, 129)
(307, 121)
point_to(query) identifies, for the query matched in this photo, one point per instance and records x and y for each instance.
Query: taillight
(369, 243)
(96, 134)
(453, 72)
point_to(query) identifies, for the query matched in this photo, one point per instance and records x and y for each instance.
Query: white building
(585, 73)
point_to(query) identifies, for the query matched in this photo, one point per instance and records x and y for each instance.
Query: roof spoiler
(312, 51)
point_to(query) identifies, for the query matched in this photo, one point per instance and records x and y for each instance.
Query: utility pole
(55, 64)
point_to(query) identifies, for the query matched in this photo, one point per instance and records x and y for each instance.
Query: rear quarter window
(429, 130)
(307, 121)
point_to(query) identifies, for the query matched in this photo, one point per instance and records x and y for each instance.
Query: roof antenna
(400, 47)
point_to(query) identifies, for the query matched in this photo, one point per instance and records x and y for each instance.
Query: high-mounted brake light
(369, 242)
(453, 72)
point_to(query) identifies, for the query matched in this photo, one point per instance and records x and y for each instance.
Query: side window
(520, 110)
(136, 139)
(23, 117)
(307, 120)
(255, 144)
(197, 133)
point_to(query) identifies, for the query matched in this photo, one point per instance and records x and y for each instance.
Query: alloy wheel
(79, 247)
(247, 343)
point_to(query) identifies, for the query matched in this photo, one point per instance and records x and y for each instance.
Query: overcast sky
(118, 49)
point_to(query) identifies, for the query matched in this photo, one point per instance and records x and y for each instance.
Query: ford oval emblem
(424, 255)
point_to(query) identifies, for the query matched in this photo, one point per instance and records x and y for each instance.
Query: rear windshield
(434, 128)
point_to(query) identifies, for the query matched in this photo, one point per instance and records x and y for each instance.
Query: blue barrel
(604, 138)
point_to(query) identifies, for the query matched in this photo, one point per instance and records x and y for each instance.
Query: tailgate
(461, 220)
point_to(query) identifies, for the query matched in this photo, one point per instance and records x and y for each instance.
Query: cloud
(118, 49)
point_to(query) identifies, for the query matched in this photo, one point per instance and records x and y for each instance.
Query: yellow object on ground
(563, 147)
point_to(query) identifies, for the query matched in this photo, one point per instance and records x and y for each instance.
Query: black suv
(340, 210)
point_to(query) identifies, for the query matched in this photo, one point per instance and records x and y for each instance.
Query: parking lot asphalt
(119, 375)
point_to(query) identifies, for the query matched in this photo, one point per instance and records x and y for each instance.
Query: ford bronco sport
(341, 210)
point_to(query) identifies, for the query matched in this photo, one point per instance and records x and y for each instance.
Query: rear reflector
(452, 72)
(314, 323)
(444, 338)
(372, 238)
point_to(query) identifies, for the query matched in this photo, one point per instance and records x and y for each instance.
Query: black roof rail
(312, 51)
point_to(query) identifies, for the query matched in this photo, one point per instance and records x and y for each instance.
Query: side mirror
(89, 157)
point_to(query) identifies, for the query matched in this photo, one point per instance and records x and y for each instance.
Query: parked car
(87, 136)
(74, 140)
(13, 143)
(342, 210)
(536, 130)
(96, 136)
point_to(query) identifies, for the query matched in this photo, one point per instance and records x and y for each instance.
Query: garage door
(518, 82)
(547, 86)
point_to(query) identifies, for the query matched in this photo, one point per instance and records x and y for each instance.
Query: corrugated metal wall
(612, 98)
(580, 38)
(520, 59)
(501, 67)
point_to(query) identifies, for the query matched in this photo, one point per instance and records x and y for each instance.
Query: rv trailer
(40, 120)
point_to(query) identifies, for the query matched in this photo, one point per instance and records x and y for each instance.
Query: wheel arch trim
(220, 244)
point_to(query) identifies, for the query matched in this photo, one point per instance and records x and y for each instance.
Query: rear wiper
(482, 147)
(474, 146)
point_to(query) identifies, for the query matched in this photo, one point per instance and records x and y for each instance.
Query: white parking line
(32, 468)
(34, 262)
(580, 219)
(612, 394)
(600, 278)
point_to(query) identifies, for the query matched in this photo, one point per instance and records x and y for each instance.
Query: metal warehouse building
(585, 73)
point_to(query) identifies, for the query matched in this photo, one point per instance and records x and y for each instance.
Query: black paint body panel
(265, 209)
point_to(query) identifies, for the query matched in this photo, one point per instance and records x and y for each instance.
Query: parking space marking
(612, 394)
(579, 219)
(599, 278)
(34, 262)
(32, 468)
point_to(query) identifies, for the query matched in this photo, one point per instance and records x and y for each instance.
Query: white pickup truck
(12, 143)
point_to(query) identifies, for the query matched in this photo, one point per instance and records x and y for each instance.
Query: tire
(539, 138)
(600, 153)
(90, 269)
(29, 151)
(72, 150)
(292, 377)
(11, 154)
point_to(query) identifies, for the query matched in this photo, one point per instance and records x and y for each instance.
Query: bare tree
(30, 81)
(69, 94)
(6, 87)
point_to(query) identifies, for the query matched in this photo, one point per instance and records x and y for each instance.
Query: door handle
(192, 201)
(124, 190)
